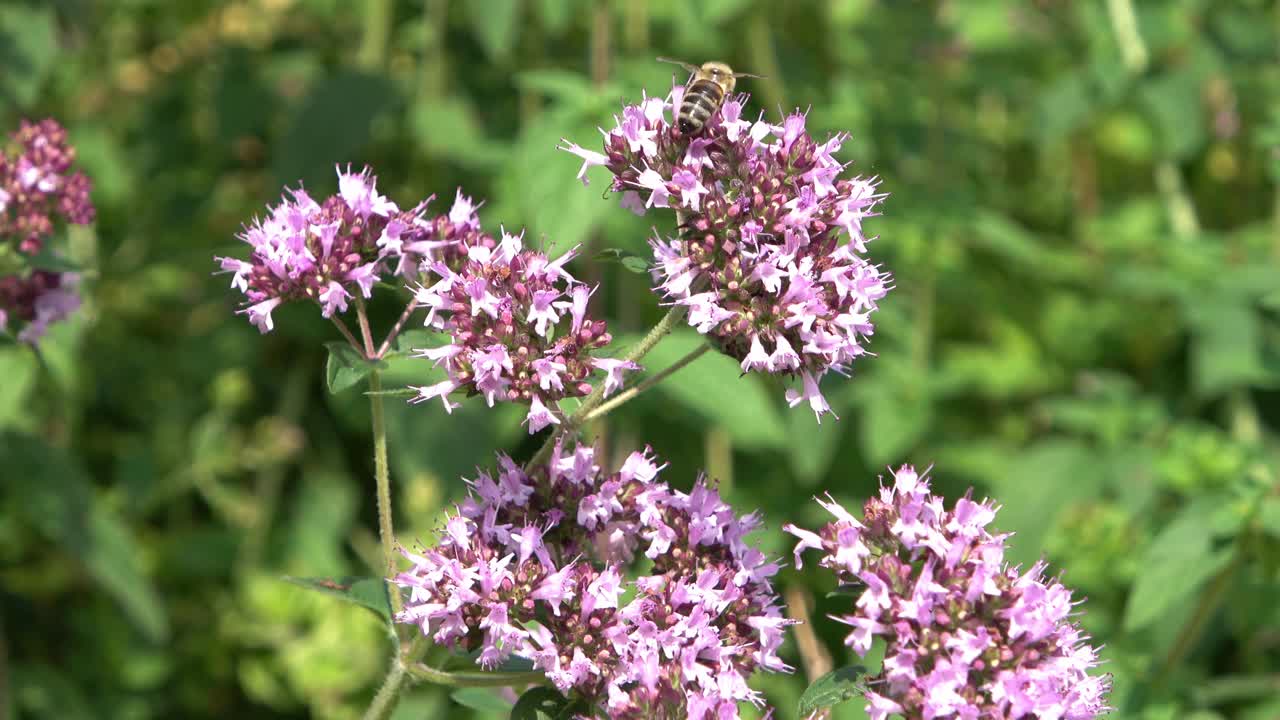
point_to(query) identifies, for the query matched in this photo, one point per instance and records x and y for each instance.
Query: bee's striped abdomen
(701, 101)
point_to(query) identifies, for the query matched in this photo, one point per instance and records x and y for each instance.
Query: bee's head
(719, 73)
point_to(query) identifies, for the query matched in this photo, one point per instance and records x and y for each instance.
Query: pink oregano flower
(967, 635)
(537, 565)
(770, 260)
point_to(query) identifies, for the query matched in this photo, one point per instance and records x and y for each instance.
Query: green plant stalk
(422, 671)
(372, 55)
(629, 393)
(578, 416)
(382, 477)
(1133, 51)
(384, 703)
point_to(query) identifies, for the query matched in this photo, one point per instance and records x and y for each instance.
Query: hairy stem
(395, 330)
(384, 703)
(365, 332)
(621, 398)
(382, 477)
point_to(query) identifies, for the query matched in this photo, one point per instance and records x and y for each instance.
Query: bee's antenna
(758, 77)
(681, 63)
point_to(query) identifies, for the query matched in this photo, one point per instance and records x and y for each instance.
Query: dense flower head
(330, 250)
(31, 302)
(967, 636)
(38, 185)
(770, 257)
(518, 327)
(534, 565)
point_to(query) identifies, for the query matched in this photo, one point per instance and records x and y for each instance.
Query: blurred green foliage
(1084, 228)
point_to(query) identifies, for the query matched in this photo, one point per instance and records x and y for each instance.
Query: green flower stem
(1134, 53)
(382, 477)
(346, 333)
(395, 331)
(384, 703)
(579, 416)
(629, 393)
(421, 671)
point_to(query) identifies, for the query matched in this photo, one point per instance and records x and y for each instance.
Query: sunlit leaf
(366, 592)
(837, 686)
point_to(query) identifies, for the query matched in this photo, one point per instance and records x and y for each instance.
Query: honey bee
(705, 93)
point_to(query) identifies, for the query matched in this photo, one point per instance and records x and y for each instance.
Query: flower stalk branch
(631, 392)
(579, 416)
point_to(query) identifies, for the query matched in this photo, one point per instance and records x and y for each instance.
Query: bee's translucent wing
(681, 63)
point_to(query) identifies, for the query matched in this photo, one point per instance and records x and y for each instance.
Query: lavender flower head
(534, 565)
(326, 251)
(37, 186)
(518, 327)
(761, 262)
(967, 636)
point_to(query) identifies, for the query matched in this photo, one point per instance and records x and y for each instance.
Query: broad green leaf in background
(485, 700)
(309, 150)
(28, 49)
(366, 592)
(1226, 350)
(55, 495)
(495, 23)
(1037, 486)
(18, 368)
(837, 686)
(1179, 560)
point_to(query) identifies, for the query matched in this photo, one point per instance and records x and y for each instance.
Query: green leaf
(1226, 347)
(494, 23)
(1039, 484)
(835, 687)
(112, 557)
(366, 592)
(715, 387)
(28, 48)
(346, 367)
(348, 103)
(18, 368)
(1178, 562)
(50, 259)
(485, 700)
(545, 701)
(55, 494)
(631, 261)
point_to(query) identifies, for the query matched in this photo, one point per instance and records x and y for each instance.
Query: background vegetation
(1084, 228)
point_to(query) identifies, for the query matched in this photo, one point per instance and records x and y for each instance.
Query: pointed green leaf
(366, 592)
(485, 700)
(543, 701)
(346, 367)
(832, 689)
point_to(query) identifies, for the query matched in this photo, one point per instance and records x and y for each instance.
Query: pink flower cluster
(37, 186)
(967, 635)
(761, 262)
(326, 251)
(534, 565)
(518, 327)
